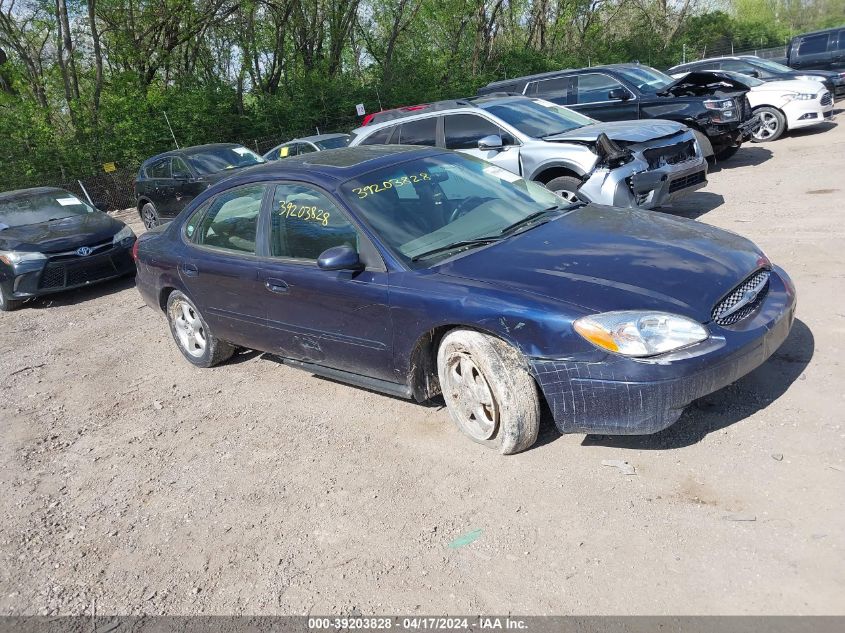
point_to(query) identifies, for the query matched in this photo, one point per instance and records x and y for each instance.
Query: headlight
(123, 236)
(719, 104)
(16, 257)
(636, 333)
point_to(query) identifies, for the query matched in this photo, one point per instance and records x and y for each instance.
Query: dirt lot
(131, 479)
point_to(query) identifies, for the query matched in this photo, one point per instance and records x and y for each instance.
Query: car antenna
(175, 142)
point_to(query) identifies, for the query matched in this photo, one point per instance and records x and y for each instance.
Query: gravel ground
(132, 479)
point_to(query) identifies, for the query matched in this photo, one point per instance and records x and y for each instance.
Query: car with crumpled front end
(643, 164)
(720, 116)
(51, 241)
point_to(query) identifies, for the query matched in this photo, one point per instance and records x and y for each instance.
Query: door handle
(190, 270)
(276, 285)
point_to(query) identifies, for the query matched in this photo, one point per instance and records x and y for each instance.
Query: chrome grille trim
(743, 299)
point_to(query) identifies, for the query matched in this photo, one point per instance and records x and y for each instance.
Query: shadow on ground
(813, 129)
(734, 403)
(749, 154)
(695, 205)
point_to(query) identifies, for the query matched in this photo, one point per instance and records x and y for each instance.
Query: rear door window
(841, 43)
(463, 131)
(559, 88)
(160, 169)
(231, 221)
(379, 137)
(306, 148)
(419, 132)
(813, 45)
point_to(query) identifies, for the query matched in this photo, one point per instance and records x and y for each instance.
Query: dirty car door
(337, 319)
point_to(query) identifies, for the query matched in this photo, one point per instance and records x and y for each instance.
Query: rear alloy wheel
(488, 390)
(7, 304)
(772, 125)
(149, 216)
(566, 187)
(191, 333)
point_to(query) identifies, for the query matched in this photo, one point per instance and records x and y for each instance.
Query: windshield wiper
(478, 241)
(529, 219)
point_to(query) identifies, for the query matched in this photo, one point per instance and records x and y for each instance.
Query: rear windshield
(41, 207)
(210, 161)
(333, 143)
(537, 118)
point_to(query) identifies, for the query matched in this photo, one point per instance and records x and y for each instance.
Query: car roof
(193, 149)
(338, 164)
(20, 194)
(552, 74)
(820, 31)
(445, 106)
(318, 137)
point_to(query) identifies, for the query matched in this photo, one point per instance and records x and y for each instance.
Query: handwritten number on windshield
(369, 190)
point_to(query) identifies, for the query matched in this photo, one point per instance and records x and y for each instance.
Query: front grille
(670, 154)
(687, 181)
(726, 311)
(67, 274)
(826, 99)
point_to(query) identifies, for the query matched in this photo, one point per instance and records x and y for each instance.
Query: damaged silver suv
(623, 163)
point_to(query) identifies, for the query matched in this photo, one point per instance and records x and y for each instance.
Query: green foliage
(262, 71)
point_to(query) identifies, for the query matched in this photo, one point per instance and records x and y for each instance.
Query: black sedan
(51, 241)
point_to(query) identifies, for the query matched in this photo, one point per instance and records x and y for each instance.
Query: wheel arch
(422, 369)
(771, 107)
(548, 172)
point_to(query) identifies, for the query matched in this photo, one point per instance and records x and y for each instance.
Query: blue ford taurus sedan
(419, 271)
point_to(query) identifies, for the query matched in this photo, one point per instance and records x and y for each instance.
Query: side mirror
(101, 206)
(492, 143)
(754, 73)
(339, 258)
(619, 94)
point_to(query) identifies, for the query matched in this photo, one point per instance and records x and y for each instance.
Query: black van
(822, 50)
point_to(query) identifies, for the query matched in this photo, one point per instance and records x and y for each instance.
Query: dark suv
(819, 50)
(168, 182)
(716, 109)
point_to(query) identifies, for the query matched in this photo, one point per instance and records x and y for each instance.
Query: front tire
(8, 304)
(149, 216)
(772, 125)
(489, 391)
(192, 334)
(566, 187)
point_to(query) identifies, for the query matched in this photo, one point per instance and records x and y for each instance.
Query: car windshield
(645, 78)
(333, 143)
(537, 118)
(210, 161)
(421, 207)
(770, 65)
(40, 207)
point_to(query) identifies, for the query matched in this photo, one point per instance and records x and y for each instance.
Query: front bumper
(625, 396)
(42, 277)
(636, 185)
(722, 135)
(806, 113)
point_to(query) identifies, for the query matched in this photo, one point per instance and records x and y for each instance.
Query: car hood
(790, 85)
(604, 258)
(703, 83)
(61, 235)
(625, 131)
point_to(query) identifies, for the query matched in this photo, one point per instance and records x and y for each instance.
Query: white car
(783, 105)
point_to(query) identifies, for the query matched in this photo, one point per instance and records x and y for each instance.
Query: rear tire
(7, 304)
(192, 334)
(149, 216)
(772, 125)
(489, 391)
(566, 187)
